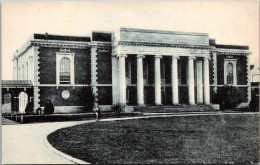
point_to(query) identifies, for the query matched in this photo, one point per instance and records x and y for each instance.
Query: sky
(229, 22)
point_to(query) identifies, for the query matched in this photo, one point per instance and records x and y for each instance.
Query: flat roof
(162, 31)
(16, 83)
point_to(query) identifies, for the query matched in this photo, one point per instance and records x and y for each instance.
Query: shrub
(254, 103)
(29, 108)
(87, 99)
(118, 108)
(48, 107)
(228, 97)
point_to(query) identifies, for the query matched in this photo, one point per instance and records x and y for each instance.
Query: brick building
(130, 66)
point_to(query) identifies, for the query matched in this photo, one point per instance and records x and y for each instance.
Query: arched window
(65, 73)
(230, 71)
(229, 75)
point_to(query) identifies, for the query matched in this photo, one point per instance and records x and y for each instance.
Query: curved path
(24, 143)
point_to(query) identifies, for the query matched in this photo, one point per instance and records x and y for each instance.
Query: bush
(29, 108)
(254, 103)
(118, 108)
(228, 97)
(48, 107)
(87, 99)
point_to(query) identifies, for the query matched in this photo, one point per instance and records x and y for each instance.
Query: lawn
(229, 138)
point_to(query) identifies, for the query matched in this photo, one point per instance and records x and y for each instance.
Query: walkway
(24, 143)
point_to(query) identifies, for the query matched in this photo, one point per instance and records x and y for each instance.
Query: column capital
(175, 57)
(122, 55)
(157, 56)
(207, 58)
(192, 57)
(140, 56)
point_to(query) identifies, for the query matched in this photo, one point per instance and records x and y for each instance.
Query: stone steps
(174, 108)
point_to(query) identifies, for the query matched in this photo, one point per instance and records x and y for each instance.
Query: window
(64, 68)
(230, 76)
(229, 73)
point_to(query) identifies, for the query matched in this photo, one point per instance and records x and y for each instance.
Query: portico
(131, 44)
(201, 71)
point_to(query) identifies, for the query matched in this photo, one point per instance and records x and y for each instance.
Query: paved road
(23, 143)
(8, 122)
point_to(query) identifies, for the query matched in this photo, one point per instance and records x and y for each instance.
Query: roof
(16, 83)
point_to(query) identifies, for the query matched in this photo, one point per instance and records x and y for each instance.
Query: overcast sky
(235, 22)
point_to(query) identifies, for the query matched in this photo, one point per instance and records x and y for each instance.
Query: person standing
(97, 111)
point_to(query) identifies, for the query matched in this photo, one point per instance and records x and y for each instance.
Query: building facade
(136, 67)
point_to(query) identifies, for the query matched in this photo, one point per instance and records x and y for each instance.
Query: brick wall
(104, 66)
(105, 95)
(48, 65)
(241, 69)
(55, 95)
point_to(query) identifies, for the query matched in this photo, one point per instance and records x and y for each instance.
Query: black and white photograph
(130, 82)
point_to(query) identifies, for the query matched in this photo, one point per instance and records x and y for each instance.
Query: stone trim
(149, 44)
(248, 80)
(60, 44)
(234, 62)
(140, 56)
(36, 90)
(231, 51)
(192, 57)
(94, 69)
(100, 44)
(215, 71)
(122, 55)
(51, 43)
(63, 85)
(70, 56)
(157, 56)
(175, 57)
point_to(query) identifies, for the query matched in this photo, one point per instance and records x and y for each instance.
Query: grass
(67, 117)
(230, 138)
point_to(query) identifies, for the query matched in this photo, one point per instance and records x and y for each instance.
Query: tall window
(65, 68)
(229, 73)
(65, 73)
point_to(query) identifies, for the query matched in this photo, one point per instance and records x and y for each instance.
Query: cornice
(149, 44)
(100, 44)
(231, 51)
(60, 44)
(50, 43)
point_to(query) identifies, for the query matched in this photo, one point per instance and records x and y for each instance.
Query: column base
(192, 104)
(177, 104)
(158, 104)
(141, 105)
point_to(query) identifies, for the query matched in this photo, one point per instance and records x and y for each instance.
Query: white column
(157, 80)
(122, 78)
(191, 80)
(199, 82)
(174, 76)
(206, 81)
(140, 80)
